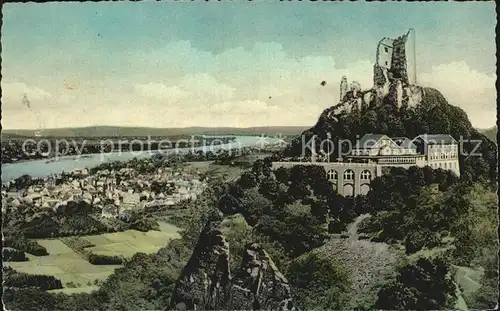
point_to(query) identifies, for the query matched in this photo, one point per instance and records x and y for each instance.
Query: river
(44, 168)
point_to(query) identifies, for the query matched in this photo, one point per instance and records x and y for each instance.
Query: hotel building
(373, 154)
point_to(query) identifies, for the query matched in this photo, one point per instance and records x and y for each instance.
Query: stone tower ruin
(394, 77)
(343, 87)
(396, 60)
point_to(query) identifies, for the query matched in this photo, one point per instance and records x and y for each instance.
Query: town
(115, 192)
(249, 157)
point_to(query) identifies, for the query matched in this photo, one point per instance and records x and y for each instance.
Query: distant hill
(118, 131)
(491, 133)
(11, 135)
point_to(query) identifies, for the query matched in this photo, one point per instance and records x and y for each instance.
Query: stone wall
(379, 76)
(398, 67)
(390, 78)
(384, 53)
(342, 185)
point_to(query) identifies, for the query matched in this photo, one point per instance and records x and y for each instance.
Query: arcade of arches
(349, 178)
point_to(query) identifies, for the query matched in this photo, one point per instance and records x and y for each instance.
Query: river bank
(43, 168)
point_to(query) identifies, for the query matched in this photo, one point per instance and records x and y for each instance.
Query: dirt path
(352, 228)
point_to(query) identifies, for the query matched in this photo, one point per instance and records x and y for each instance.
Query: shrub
(96, 259)
(319, 282)
(11, 254)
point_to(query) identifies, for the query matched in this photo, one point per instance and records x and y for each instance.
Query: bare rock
(205, 283)
(260, 283)
(343, 87)
(396, 93)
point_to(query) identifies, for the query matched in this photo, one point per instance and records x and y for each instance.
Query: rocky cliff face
(204, 280)
(394, 92)
(206, 284)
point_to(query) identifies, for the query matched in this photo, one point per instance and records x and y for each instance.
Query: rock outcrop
(206, 284)
(343, 87)
(204, 281)
(259, 285)
(392, 82)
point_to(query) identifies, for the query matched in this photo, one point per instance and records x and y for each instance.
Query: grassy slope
(70, 267)
(369, 262)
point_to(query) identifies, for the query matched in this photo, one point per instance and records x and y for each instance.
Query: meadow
(129, 242)
(214, 170)
(76, 273)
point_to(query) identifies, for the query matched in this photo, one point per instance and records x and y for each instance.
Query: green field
(214, 170)
(64, 264)
(70, 267)
(129, 242)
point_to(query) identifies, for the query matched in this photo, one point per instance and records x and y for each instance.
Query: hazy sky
(170, 64)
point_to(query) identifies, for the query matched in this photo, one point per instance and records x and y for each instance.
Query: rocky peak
(259, 285)
(205, 283)
(343, 87)
(391, 80)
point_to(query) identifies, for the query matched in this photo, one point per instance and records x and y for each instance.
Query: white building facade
(373, 154)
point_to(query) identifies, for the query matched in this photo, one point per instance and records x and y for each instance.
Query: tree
(298, 190)
(238, 235)
(282, 175)
(319, 282)
(269, 188)
(247, 180)
(29, 299)
(254, 205)
(424, 285)
(434, 116)
(486, 297)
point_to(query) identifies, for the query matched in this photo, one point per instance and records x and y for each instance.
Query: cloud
(245, 107)
(466, 88)
(202, 84)
(13, 93)
(160, 91)
(179, 85)
(190, 87)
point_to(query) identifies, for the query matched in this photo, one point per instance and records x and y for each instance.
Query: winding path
(352, 228)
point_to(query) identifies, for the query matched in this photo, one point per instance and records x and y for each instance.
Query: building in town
(131, 200)
(441, 151)
(374, 153)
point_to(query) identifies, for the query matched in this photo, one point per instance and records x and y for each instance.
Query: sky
(235, 64)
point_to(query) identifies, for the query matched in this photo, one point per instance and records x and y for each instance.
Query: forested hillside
(405, 245)
(434, 115)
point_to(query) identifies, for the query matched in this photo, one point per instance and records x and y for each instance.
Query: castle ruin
(396, 60)
(343, 87)
(394, 74)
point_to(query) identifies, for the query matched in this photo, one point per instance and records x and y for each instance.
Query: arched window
(332, 175)
(366, 175)
(348, 175)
